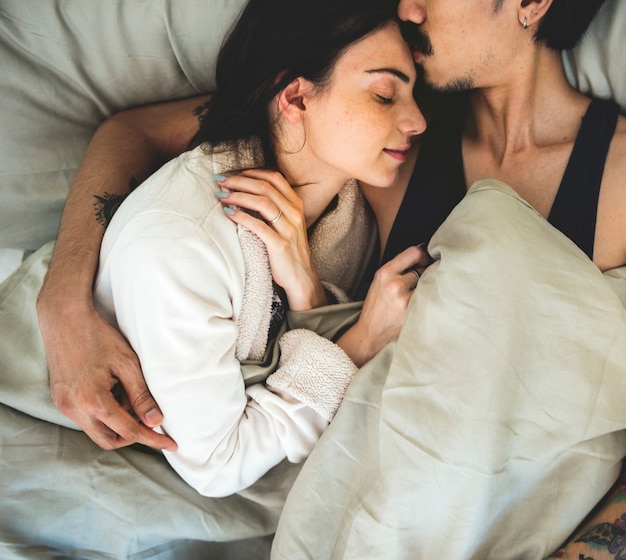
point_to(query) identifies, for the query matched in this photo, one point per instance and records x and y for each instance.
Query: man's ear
(531, 11)
(293, 99)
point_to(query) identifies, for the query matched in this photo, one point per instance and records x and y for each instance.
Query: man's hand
(96, 379)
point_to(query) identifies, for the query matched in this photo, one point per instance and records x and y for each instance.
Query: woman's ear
(293, 99)
(531, 11)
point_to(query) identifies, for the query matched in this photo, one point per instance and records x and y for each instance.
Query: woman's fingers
(265, 193)
(261, 182)
(269, 211)
(268, 181)
(274, 212)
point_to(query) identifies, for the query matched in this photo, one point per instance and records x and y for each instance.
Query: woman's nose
(414, 122)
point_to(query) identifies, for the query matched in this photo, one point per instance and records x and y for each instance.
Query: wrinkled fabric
(499, 422)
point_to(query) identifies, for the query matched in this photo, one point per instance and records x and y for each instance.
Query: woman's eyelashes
(384, 100)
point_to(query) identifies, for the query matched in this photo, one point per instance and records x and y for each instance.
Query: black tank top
(438, 181)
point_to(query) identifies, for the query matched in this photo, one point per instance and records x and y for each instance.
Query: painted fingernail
(222, 194)
(218, 178)
(229, 210)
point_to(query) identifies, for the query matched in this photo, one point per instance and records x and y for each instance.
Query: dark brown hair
(273, 43)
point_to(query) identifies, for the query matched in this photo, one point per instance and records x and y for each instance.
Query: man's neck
(522, 132)
(536, 107)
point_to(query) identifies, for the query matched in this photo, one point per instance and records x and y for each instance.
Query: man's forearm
(95, 194)
(123, 152)
(95, 377)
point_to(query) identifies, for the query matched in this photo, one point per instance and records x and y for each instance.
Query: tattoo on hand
(107, 204)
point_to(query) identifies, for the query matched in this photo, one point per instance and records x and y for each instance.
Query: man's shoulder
(620, 129)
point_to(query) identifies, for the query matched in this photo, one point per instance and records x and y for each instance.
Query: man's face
(460, 44)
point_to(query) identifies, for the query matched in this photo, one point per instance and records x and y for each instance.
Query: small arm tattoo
(200, 111)
(107, 204)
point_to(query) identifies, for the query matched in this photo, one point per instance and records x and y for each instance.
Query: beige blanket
(497, 420)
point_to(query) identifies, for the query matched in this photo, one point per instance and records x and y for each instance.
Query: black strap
(575, 208)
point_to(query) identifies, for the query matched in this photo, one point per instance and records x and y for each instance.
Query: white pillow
(597, 66)
(66, 66)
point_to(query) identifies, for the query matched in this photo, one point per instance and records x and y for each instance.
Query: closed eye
(384, 100)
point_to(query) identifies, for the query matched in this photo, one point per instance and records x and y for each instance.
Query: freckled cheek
(359, 123)
(372, 119)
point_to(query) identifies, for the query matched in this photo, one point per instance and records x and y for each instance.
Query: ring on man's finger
(280, 213)
(415, 272)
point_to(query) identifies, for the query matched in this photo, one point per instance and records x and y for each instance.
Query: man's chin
(456, 85)
(429, 91)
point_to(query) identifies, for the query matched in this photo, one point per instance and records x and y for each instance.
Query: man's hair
(566, 22)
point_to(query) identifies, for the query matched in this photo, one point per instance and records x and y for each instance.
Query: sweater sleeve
(313, 370)
(175, 291)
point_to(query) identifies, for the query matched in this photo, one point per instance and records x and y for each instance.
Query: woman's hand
(385, 306)
(280, 223)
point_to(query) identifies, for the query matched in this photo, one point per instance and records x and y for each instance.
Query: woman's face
(361, 124)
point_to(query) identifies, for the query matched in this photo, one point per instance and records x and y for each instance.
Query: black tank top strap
(575, 208)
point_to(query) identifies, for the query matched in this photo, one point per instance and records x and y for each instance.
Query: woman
(193, 293)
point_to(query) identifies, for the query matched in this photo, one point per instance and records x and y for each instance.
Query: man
(463, 494)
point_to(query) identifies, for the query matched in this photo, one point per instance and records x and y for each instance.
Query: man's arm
(95, 377)
(601, 535)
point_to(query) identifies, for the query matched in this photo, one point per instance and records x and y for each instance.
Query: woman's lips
(400, 155)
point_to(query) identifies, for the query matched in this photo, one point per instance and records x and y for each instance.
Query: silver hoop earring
(525, 24)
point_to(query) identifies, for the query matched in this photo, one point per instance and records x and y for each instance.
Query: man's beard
(419, 41)
(457, 85)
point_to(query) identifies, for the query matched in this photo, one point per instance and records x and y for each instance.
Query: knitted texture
(313, 370)
(338, 239)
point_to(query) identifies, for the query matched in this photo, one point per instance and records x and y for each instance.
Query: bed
(67, 65)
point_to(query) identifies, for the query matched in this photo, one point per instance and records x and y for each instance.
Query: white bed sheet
(10, 259)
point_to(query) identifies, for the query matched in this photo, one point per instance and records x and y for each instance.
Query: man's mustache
(416, 38)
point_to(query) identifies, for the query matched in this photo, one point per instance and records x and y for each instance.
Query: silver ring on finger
(277, 217)
(417, 274)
